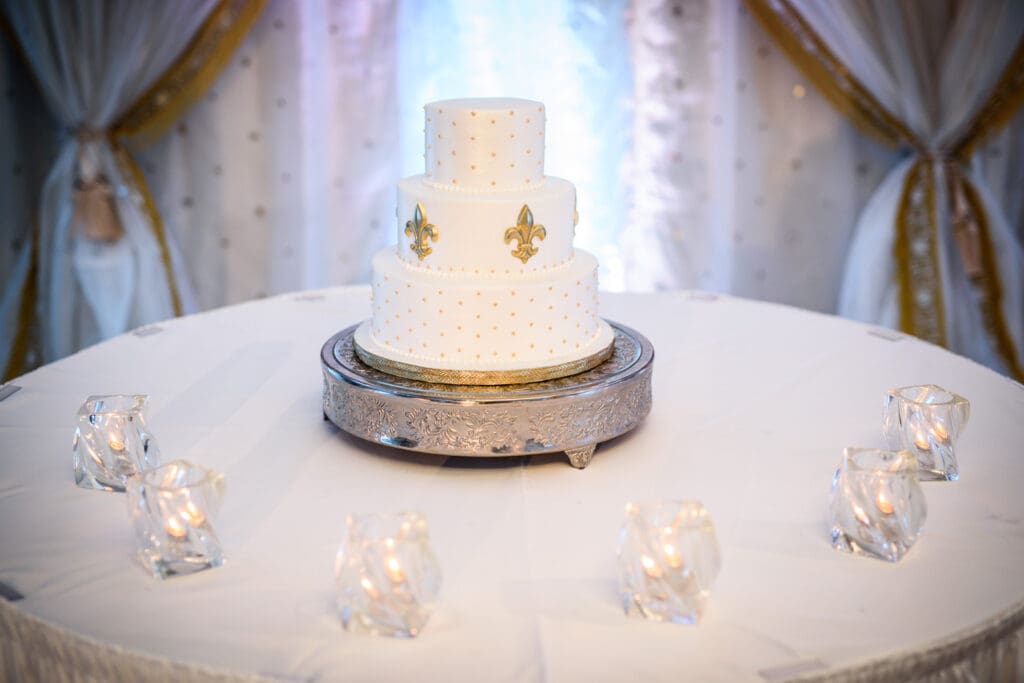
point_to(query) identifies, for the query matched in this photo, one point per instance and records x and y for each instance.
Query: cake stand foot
(580, 457)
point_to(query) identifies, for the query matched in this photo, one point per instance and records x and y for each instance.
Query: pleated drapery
(99, 262)
(933, 252)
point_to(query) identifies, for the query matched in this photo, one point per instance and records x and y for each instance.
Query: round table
(753, 404)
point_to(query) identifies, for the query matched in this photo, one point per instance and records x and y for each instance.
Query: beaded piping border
(483, 377)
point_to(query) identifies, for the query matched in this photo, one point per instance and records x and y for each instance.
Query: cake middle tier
(486, 235)
(471, 323)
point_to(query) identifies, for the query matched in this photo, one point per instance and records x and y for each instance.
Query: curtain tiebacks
(94, 213)
(963, 215)
(966, 229)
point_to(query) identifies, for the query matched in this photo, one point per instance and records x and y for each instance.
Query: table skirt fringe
(33, 650)
(991, 652)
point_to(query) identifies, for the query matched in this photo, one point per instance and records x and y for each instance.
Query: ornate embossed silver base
(571, 414)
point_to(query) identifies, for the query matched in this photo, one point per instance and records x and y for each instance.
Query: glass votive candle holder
(668, 559)
(172, 508)
(112, 441)
(877, 507)
(926, 420)
(387, 575)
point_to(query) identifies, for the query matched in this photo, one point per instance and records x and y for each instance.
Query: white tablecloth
(753, 404)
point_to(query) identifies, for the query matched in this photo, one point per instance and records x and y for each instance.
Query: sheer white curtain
(28, 147)
(933, 66)
(92, 60)
(745, 179)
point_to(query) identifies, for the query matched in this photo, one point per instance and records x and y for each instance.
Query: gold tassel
(94, 214)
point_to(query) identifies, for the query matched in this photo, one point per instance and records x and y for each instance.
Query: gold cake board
(571, 413)
(482, 377)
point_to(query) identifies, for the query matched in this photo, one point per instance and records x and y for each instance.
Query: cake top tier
(484, 144)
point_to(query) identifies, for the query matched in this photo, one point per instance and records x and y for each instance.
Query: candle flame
(394, 570)
(859, 513)
(368, 587)
(651, 567)
(921, 440)
(883, 503)
(672, 556)
(175, 529)
(115, 445)
(192, 514)
(939, 430)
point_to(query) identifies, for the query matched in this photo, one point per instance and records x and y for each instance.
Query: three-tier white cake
(485, 286)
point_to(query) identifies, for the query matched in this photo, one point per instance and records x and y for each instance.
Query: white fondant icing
(484, 144)
(477, 324)
(471, 228)
(470, 303)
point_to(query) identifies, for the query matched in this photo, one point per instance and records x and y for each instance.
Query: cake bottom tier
(434, 321)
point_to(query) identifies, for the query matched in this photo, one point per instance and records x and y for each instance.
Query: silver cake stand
(571, 414)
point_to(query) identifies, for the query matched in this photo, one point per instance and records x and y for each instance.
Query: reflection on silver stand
(571, 414)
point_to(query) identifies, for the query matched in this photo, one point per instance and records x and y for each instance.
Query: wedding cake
(484, 285)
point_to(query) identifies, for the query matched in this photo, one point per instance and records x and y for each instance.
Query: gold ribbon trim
(185, 81)
(1002, 104)
(18, 358)
(988, 286)
(482, 377)
(834, 81)
(131, 172)
(917, 261)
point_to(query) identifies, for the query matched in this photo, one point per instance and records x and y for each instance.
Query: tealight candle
(668, 559)
(171, 508)
(112, 442)
(386, 574)
(883, 503)
(175, 529)
(193, 514)
(876, 507)
(672, 557)
(926, 420)
(651, 567)
(394, 570)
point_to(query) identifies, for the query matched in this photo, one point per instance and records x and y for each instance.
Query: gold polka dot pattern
(484, 144)
(481, 331)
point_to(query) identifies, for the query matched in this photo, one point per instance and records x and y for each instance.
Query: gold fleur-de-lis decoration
(525, 232)
(420, 230)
